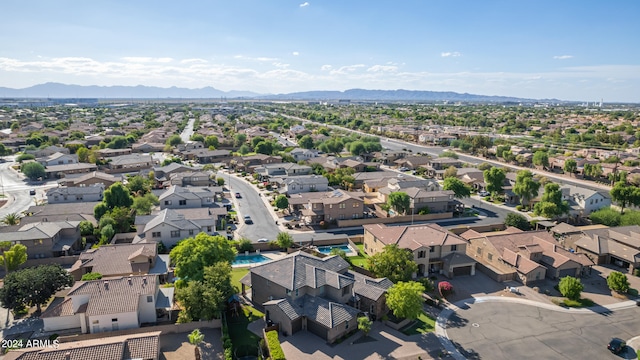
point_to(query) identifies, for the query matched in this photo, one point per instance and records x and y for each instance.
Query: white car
(263, 240)
(484, 193)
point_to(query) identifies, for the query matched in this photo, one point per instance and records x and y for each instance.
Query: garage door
(317, 329)
(567, 272)
(462, 270)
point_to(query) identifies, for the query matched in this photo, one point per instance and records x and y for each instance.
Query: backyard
(422, 325)
(245, 343)
(236, 275)
(362, 259)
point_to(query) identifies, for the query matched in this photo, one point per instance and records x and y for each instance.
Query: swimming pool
(327, 249)
(249, 259)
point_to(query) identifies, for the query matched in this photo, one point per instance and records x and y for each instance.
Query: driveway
(504, 330)
(387, 344)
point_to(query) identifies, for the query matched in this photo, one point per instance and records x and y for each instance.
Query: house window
(191, 232)
(421, 254)
(490, 257)
(297, 292)
(288, 292)
(343, 206)
(432, 249)
(175, 233)
(454, 247)
(330, 206)
(345, 290)
(293, 187)
(149, 298)
(156, 234)
(167, 202)
(355, 205)
(182, 202)
(208, 228)
(341, 217)
(312, 187)
(479, 251)
(591, 202)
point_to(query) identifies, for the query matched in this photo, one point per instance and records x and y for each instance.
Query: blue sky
(570, 50)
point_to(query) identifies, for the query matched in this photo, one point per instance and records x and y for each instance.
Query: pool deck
(272, 255)
(352, 252)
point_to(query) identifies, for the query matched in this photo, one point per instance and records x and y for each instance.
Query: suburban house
(300, 154)
(178, 197)
(440, 201)
(58, 158)
(145, 346)
(193, 178)
(109, 304)
(147, 147)
(388, 157)
(122, 260)
(129, 163)
(617, 245)
(109, 153)
(583, 201)
(46, 239)
(48, 151)
(332, 206)
(162, 173)
(412, 162)
(206, 156)
(304, 292)
(304, 183)
(75, 194)
(92, 178)
(60, 212)
(527, 256)
(249, 163)
(436, 167)
(60, 171)
(170, 226)
(434, 249)
(268, 171)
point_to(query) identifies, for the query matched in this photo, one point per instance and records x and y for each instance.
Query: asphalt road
(517, 331)
(252, 204)
(16, 188)
(188, 130)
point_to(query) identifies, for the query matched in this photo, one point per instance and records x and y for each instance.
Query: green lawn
(360, 260)
(236, 275)
(423, 324)
(244, 341)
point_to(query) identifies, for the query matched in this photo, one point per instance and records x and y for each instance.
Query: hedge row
(275, 350)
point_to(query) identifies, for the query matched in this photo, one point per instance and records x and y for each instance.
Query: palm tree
(195, 338)
(11, 219)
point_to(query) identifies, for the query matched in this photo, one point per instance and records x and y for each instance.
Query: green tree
(451, 171)
(11, 219)
(144, 204)
(33, 286)
(86, 228)
(195, 338)
(618, 282)
(518, 221)
(357, 148)
(83, 154)
(570, 287)
(24, 157)
(593, 170)
(197, 137)
(494, 178)
(239, 140)
(205, 299)
(526, 187)
(33, 170)
(460, 189)
(211, 141)
(281, 202)
(541, 158)
(625, 195)
(448, 154)
(630, 218)
(12, 258)
(106, 234)
(174, 140)
(399, 201)
(138, 185)
(117, 195)
(245, 244)
(193, 254)
(364, 325)
(570, 166)
(244, 149)
(606, 216)
(284, 240)
(405, 299)
(394, 263)
(306, 142)
(551, 204)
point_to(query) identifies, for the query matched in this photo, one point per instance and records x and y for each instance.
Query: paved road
(188, 130)
(490, 330)
(282, 140)
(16, 189)
(253, 205)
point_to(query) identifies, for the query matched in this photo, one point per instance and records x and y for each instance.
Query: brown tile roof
(134, 346)
(115, 295)
(110, 260)
(414, 236)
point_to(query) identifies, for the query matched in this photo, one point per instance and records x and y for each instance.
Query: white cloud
(383, 68)
(193, 61)
(305, 4)
(563, 57)
(280, 65)
(295, 53)
(142, 59)
(346, 69)
(258, 59)
(326, 67)
(450, 54)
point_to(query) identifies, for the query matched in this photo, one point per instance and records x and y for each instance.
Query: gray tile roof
(368, 287)
(291, 271)
(328, 313)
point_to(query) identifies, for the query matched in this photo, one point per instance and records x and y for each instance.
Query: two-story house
(112, 304)
(130, 163)
(617, 245)
(89, 179)
(332, 206)
(75, 194)
(170, 226)
(300, 154)
(583, 201)
(436, 167)
(46, 239)
(434, 248)
(58, 158)
(304, 292)
(304, 183)
(178, 197)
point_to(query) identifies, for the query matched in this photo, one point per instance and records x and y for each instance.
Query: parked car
(484, 193)
(32, 192)
(404, 169)
(263, 240)
(238, 196)
(247, 220)
(616, 345)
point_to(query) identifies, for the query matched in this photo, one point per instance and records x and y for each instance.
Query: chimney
(106, 284)
(130, 281)
(144, 280)
(67, 355)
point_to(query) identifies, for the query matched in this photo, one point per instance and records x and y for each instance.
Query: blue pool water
(327, 249)
(249, 259)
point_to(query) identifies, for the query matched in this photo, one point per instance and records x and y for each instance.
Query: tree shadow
(469, 354)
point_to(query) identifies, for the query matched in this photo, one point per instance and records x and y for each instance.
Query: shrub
(428, 284)
(91, 276)
(570, 287)
(618, 282)
(273, 343)
(636, 272)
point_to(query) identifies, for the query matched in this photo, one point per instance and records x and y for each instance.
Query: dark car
(238, 196)
(247, 220)
(32, 192)
(616, 345)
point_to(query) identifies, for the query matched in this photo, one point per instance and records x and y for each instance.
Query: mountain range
(57, 90)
